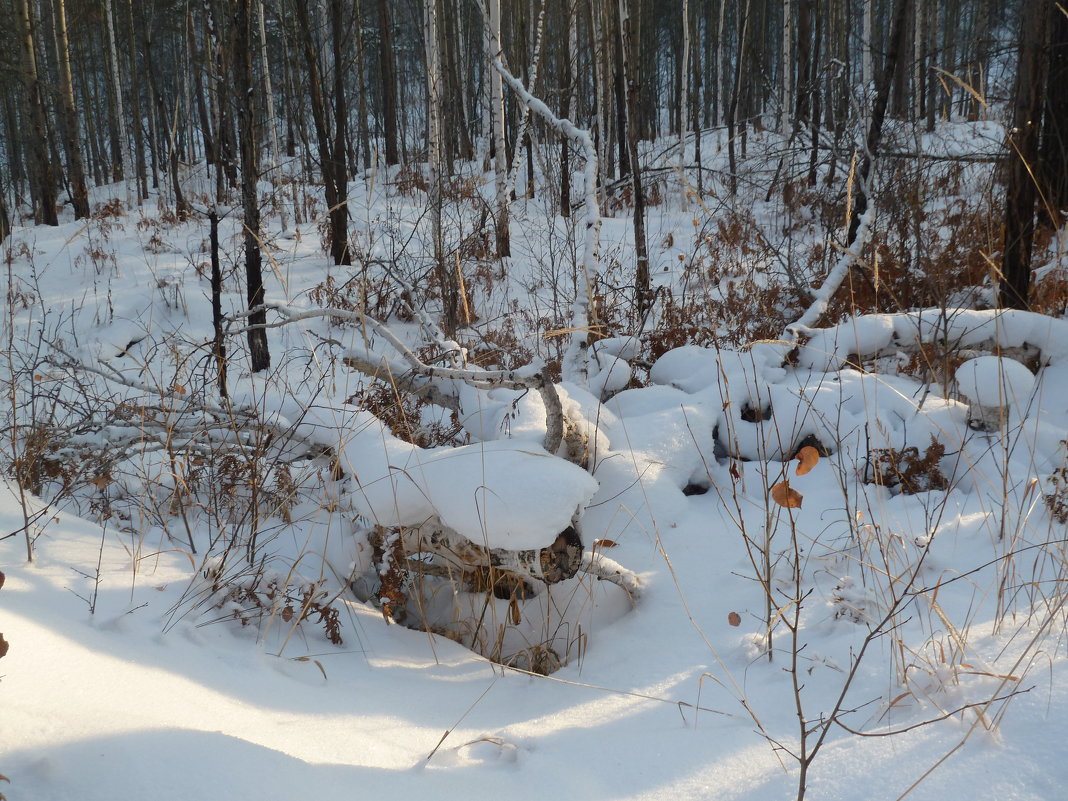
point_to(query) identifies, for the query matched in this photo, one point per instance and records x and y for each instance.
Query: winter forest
(586, 399)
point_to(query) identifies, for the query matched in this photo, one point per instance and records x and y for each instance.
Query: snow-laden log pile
(502, 503)
(878, 382)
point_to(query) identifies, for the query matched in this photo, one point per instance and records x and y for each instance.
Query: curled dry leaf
(807, 458)
(786, 496)
(605, 543)
(1, 579)
(734, 619)
(3, 646)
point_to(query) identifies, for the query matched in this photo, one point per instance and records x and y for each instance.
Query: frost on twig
(576, 366)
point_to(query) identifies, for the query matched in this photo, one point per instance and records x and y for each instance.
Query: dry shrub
(254, 597)
(906, 472)
(403, 414)
(358, 295)
(409, 180)
(1057, 497)
(463, 188)
(746, 310)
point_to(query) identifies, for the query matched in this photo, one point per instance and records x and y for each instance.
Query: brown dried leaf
(785, 496)
(4, 645)
(287, 614)
(605, 543)
(734, 619)
(513, 612)
(807, 458)
(1, 579)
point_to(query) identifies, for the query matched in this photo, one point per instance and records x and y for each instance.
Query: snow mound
(994, 381)
(500, 494)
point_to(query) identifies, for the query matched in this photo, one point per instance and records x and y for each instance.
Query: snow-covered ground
(915, 623)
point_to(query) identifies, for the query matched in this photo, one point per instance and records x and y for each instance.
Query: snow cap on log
(499, 494)
(993, 385)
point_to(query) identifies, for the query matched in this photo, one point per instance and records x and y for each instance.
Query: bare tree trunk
(42, 174)
(120, 115)
(361, 96)
(787, 108)
(736, 91)
(642, 289)
(447, 279)
(684, 84)
(339, 210)
(1020, 190)
(331, 154)
(389, 82)
(1055, 124)
(567, 91)
(69, 116)
(249, 148)
(500, 156)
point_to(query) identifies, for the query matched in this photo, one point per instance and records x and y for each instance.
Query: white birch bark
(497, 109)
(576, 360)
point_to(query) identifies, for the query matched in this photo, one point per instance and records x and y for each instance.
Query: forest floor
(840, 570)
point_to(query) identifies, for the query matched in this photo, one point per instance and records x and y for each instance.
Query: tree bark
(79, 194)
(500, 156)
(249, 148)
(1020, 190)
(642, 288)
(389, 82)
(42, 174)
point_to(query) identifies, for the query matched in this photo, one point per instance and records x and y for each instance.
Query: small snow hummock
(504, 494)
(994, 381)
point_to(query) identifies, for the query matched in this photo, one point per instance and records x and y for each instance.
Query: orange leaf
(783, 495)
(807, 458)
(734, 619)
(605, 543)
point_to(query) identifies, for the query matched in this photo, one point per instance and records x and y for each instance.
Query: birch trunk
(500, 156)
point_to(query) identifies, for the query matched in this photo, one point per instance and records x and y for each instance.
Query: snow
(135, 671)
(994, 381)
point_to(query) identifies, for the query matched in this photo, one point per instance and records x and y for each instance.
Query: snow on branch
(576, 360)
(822, 297)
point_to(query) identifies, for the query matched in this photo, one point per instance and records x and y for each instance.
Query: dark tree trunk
(642, 290)
(389, 82)
(249, 149)
(1055, 124)
(79, 193)
(1021, 191)
(333, 170)
(42, 174)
